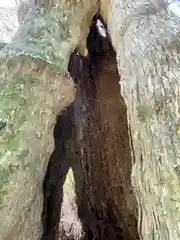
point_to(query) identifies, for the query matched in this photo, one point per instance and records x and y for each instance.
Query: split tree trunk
(146, 41)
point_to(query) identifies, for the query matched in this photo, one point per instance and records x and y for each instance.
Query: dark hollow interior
(91, 137)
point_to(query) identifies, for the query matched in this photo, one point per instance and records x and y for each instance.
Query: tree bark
(34, 87)
(146, 38)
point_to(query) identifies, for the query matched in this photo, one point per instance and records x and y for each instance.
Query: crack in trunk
(91, 137)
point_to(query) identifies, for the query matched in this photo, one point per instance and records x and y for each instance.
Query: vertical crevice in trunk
(91, 137)
(57, 170)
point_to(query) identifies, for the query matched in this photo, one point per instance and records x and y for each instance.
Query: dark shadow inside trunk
(91, 137)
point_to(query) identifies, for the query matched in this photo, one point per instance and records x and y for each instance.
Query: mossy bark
(34, 87)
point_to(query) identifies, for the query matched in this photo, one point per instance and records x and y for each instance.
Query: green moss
(5, 174)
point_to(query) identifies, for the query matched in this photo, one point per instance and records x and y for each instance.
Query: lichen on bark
(34, 87)
(32, 93)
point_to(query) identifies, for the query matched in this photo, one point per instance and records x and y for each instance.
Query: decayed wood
(108, 155)
(95, 125)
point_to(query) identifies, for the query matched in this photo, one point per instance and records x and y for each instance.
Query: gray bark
(146, 38)
(34, 87)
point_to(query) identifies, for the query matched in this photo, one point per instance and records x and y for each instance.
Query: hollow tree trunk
(108, 160)
(34, 87)
(146, 40)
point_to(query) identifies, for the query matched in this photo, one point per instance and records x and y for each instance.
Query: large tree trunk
(146, 39)
(34, 87)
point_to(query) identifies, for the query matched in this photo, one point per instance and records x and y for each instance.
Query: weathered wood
(108, 156)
